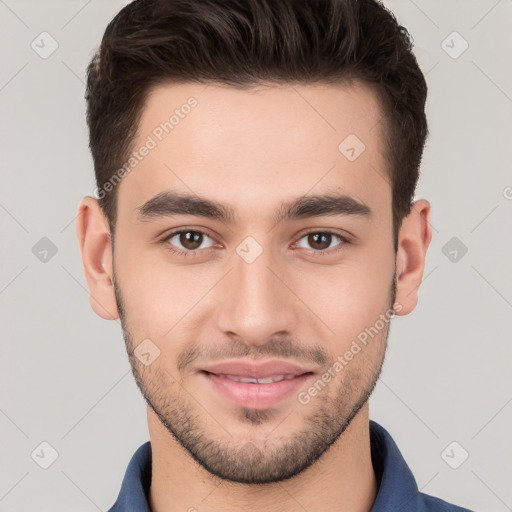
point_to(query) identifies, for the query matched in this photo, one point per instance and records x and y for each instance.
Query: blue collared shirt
(397, 492)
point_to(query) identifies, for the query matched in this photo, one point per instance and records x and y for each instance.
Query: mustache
(276, 347)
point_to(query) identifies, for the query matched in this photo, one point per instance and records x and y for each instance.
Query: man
(256, 163)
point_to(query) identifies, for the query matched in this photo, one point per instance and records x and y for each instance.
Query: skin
(251, 150)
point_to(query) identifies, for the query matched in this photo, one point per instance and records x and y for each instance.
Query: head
(256, 163)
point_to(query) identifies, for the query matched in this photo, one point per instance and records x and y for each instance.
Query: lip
(254, 395)
(256, 369)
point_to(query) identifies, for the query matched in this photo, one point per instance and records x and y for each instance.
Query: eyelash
(325, 252)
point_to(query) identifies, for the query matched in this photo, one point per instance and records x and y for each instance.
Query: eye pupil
(193, 237)
(316, 239)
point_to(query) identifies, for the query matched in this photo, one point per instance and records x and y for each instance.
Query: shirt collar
(134, 493)
(397, 487)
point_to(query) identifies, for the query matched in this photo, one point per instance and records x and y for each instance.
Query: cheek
(160, 299)
(351, 296)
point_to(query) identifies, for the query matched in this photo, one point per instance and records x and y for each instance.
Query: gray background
(64, 373)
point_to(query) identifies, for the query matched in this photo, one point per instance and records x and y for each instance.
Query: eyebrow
(168, 204)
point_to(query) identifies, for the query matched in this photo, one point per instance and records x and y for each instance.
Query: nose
(258, 300)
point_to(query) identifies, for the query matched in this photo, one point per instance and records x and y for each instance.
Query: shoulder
(398, 490)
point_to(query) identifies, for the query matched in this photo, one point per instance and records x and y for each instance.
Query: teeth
(266, 380)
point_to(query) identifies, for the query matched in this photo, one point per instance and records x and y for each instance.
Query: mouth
(255, 392)
(254, 380)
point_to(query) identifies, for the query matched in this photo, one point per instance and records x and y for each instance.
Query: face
(282, 253)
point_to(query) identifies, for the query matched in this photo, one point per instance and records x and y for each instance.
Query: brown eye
(187, 240)
(322, 242)
(190, 239)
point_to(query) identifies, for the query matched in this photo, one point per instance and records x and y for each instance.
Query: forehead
(270, 141)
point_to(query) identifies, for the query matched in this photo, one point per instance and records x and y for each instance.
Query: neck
(342, 479)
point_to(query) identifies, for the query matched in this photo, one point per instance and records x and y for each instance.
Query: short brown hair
(247, 42)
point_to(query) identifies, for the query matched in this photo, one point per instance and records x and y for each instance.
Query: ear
(94, 239)
(413, 241)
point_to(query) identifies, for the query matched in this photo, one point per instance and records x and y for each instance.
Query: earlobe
(95, 246)
(414, 239)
